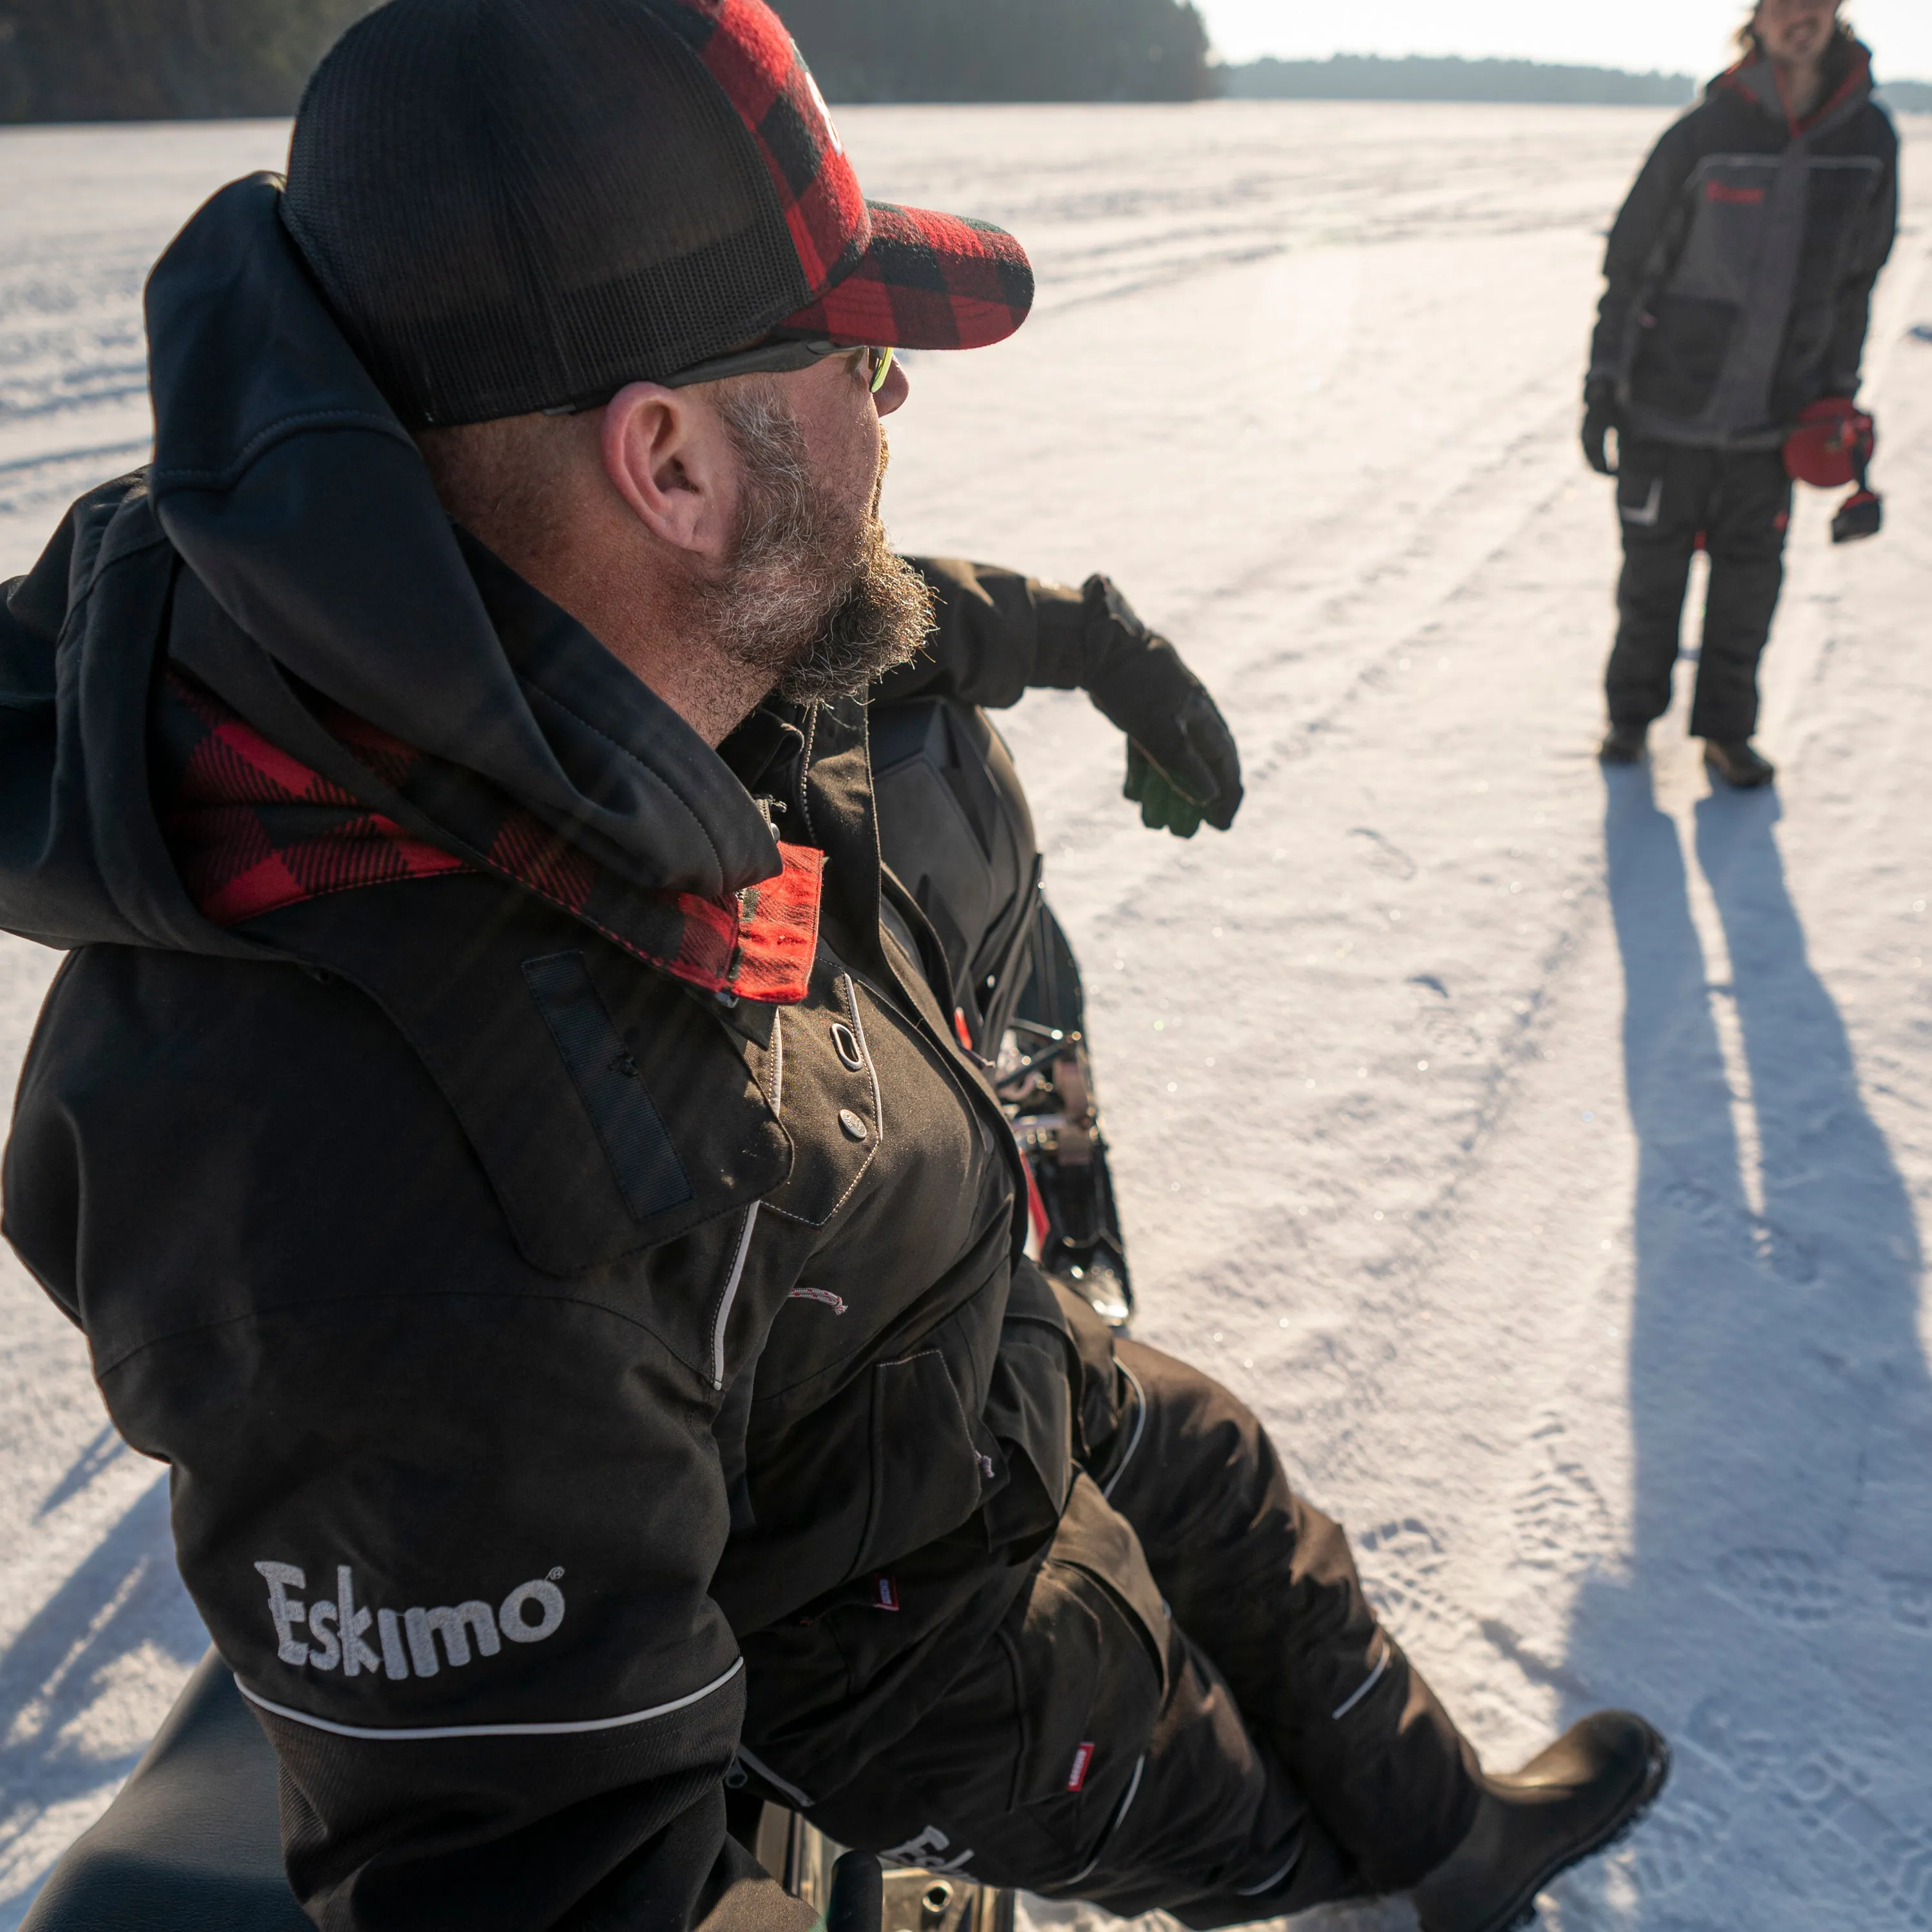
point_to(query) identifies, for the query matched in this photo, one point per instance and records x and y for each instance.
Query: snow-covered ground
(1546, 1156)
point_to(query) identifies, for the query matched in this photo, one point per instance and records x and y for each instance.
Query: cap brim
(927, 281)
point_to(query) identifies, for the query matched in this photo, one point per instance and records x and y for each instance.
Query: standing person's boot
(1739, 763)
(1624, 744)
(1576, 1797)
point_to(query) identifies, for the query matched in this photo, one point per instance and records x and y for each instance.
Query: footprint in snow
(1789, 1586)
(1446, 1033)
(1562, 1522)
(1768, 1245)
(1673, 1846)
(1385, 856)
(1401, 1562)
(1754, 1758)
(1861, 1844)
(1910, 1600)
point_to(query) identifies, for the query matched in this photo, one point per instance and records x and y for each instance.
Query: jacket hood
(288, 546)
(1848, 85)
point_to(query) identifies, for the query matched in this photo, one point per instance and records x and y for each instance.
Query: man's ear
(669, 456)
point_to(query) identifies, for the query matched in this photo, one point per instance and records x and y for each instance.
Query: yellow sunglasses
(779, 357)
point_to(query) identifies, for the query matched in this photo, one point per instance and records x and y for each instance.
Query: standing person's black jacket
(546, 1225)
(1740, 269)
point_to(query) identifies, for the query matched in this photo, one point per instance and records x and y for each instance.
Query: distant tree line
(142, 60)
(1371, 77)
(122, 60)
(1907, 96)
(1003, 49)
(138, 60)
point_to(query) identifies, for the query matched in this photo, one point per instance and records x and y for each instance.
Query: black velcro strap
(632, 1132)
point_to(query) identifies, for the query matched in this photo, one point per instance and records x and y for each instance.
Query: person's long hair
(1747, 39)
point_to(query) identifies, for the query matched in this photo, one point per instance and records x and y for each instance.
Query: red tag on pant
(888, 1596)
(1083, 1757)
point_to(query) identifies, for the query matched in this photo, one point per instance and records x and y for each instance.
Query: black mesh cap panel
(512, 205)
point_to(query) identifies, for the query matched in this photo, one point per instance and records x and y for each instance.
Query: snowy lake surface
(1547, 1155)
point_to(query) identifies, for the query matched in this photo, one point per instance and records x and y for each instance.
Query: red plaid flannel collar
(252, 830)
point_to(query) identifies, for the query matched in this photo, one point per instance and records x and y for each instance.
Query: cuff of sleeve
(1064, 657)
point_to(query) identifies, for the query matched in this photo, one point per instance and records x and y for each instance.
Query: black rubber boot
(1580, 1795)
(1739, 763)
(1624, 744)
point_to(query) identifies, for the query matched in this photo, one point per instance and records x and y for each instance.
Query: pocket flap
(928, 1472)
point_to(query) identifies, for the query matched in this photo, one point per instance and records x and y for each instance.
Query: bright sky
(1683, 36)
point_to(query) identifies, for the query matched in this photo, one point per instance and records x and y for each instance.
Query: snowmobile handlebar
(858, 1901)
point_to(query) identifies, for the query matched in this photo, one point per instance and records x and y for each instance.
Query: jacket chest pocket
(1838, 190)
(929, 1469)
(826, 1093)
(1731, 196)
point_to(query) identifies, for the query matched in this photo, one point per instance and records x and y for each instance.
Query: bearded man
(518, 1156)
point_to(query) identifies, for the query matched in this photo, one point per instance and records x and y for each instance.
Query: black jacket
(1740, 269)
(587, 1371)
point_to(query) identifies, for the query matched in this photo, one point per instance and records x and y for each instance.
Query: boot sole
(1718, 772)
(1522, 1910)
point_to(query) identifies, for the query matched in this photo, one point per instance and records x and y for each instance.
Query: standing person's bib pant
(1735, 505)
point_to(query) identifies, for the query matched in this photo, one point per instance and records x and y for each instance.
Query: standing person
(1740, 273)
(505, 1133)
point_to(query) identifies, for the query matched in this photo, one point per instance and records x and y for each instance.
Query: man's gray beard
(811, 593)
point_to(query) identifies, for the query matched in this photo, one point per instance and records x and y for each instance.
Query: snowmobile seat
(192, 1842)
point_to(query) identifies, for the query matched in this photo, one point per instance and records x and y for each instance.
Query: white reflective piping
(1368, 1683)
(1653, 506)
(1869, 162)
(1140, 1427)
(1133, 1786)
(1269, 1884)
(771, 1777)
(731, 1295)
(405, 1737)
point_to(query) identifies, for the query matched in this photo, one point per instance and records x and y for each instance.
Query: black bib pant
(1736, 504)
(1193, 1709)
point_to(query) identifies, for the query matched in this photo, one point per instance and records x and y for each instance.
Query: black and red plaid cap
(909, 277)
(520, 204)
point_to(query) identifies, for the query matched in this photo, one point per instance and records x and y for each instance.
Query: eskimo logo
(406, 1642)
(927, 1852)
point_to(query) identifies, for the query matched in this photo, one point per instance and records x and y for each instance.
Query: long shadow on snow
(124, 1597)
(1775, 1615)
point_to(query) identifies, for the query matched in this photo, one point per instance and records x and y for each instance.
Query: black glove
(1182, 763)
(1601, 416)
